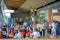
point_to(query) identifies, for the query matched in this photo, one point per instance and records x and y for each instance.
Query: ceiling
(14, 4)
(34, 3)
(26, 4)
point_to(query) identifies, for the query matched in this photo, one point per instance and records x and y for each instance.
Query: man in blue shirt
(28, 24)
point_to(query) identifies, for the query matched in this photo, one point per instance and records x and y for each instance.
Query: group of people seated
(18, 31)
(22, 31)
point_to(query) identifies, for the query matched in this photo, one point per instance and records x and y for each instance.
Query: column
(49, 15)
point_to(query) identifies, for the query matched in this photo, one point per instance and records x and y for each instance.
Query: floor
(32, 39)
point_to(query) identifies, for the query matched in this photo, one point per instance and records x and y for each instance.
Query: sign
(5, 17)
(42, 15)
(11, 21)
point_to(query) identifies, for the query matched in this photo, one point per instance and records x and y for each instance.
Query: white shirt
(40, 26)
(53, 27)
(36, 34)
(19, 35)
(24, 23)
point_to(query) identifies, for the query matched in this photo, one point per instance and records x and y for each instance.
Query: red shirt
(30, 32)
(24, 33)
(50, 26)
(12, 33)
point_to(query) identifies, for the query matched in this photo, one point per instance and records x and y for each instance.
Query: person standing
(50, 27)
(53, 29)
(58, 28)
(43, 30)
(39, 26)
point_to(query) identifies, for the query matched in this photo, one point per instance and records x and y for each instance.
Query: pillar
(49, 15)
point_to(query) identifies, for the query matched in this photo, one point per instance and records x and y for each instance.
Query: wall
(56, 18)
(44, 11)
(20, 14)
